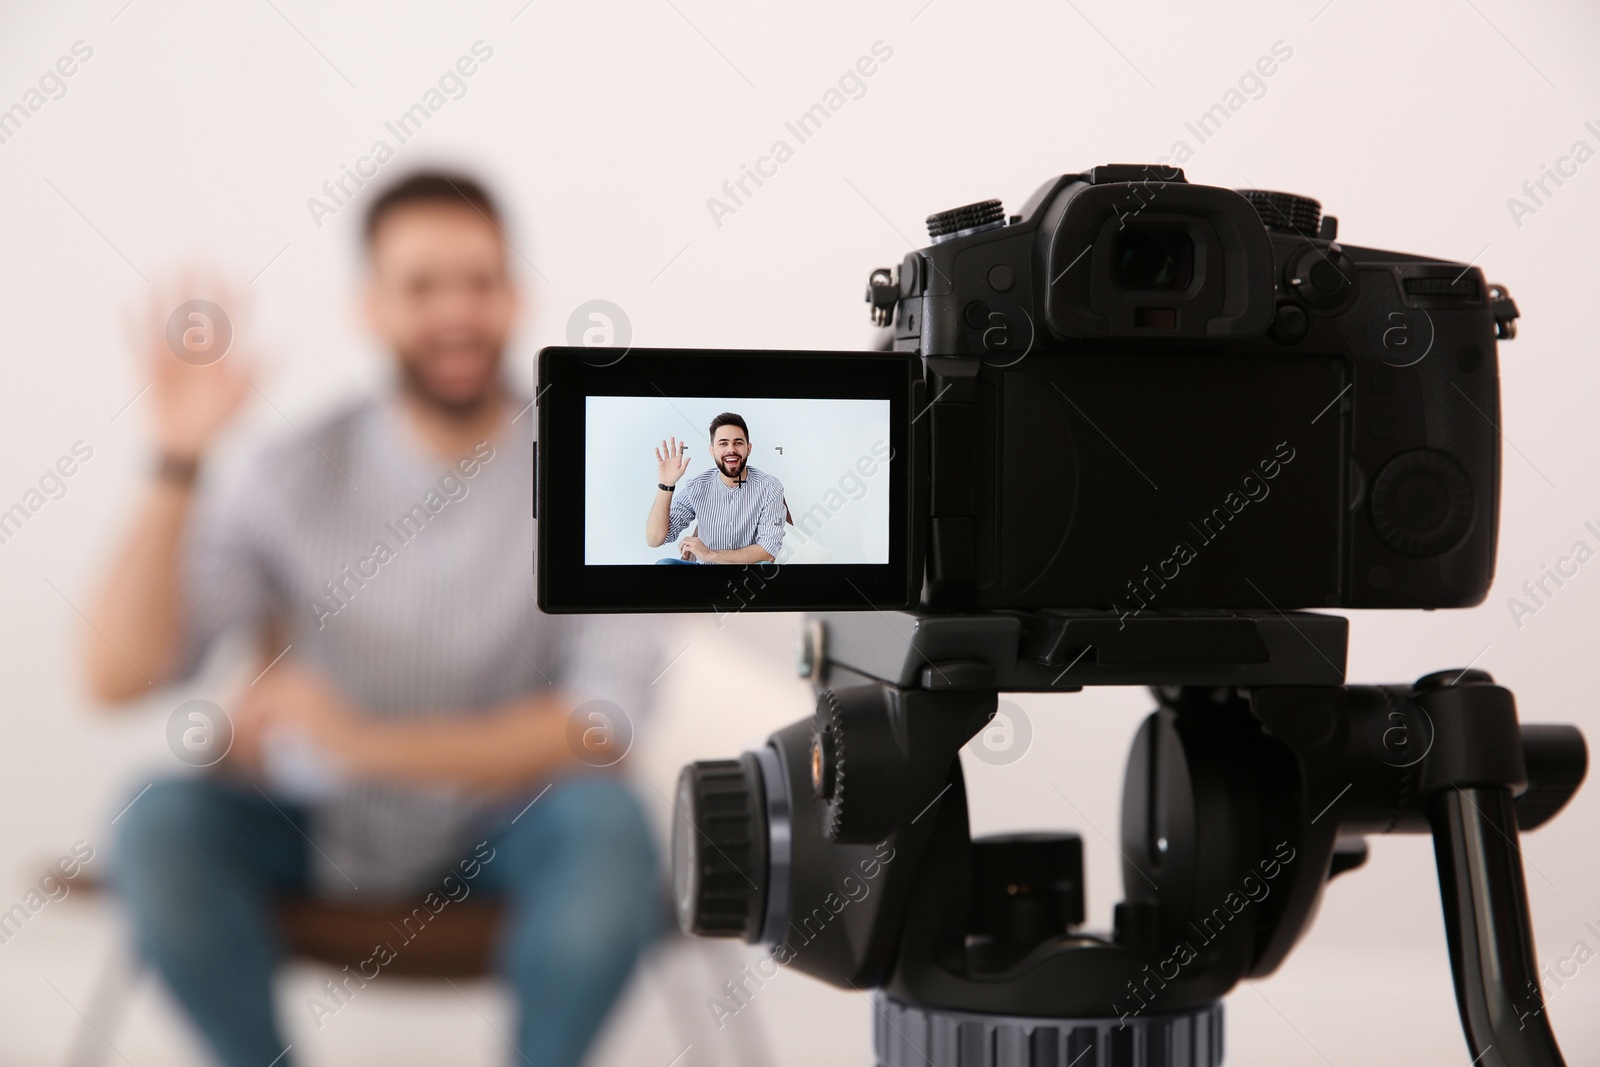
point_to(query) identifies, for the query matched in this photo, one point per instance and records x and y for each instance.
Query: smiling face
(730, 450)
(441, 297)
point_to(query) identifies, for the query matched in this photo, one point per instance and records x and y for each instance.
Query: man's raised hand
(196, 393)
(672, 459)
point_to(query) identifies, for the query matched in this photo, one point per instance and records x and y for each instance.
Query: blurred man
(412, 706)
(740, 510)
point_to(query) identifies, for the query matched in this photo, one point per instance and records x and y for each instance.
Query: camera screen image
(694, 480)
(790, 480)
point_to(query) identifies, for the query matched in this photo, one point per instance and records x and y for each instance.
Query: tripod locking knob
(719, 848)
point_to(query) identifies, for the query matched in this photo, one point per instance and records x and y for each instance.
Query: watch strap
(177, 470)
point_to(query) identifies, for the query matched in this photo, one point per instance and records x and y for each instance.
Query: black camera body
(1146, 394)
(1137, 395)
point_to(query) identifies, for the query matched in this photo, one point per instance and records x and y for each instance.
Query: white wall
(827, 453)
(198, 131)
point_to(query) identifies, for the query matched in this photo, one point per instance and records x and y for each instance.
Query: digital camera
(1115, 439)
(1136, 394)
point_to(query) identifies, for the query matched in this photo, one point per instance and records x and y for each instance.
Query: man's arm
(608, 667)
(500, 749)
(769, 523)
(504, 748)
(748, 554)
(672, 459)
(497, 751)
(135, 616)
(659, 522)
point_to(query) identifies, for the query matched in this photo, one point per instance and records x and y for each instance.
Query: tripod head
(844, 842)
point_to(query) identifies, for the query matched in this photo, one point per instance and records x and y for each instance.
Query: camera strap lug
(1505, 312)
(883, 293)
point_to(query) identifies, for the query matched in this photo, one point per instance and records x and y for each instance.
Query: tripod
(844, 842)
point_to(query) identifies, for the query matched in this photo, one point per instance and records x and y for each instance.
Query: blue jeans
(667, 561)
(200, 860)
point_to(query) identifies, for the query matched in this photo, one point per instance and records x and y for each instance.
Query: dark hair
(430, 187)
(728, 418)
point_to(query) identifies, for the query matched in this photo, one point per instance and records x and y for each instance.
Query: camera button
(1326, 278)
(1291, 323)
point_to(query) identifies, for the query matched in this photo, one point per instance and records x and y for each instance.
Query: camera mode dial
(1286, 212)
(960, 221)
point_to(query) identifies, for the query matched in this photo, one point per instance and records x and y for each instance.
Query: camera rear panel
(1147, 480)
(1301, 475)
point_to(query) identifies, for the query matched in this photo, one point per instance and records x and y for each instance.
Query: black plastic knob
(719, 849)
(1451, 676)
(1286, 212)
(1557, 760)
(969, 217)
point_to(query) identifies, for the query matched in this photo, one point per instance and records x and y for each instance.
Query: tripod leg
(1491, 936)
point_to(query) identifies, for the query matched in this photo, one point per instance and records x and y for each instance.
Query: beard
(736, 472)
(456, 404)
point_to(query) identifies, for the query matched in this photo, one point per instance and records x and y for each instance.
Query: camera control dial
(1286, 212)
(960, 221)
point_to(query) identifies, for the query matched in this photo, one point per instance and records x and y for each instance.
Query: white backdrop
(200, 131)
(815, 447)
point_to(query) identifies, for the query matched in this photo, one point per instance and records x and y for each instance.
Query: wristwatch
(176, 470)
(664, 487)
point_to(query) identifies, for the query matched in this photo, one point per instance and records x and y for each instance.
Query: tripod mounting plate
(1063, 651)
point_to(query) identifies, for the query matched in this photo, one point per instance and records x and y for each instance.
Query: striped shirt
(749, 513)
(408, 581)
